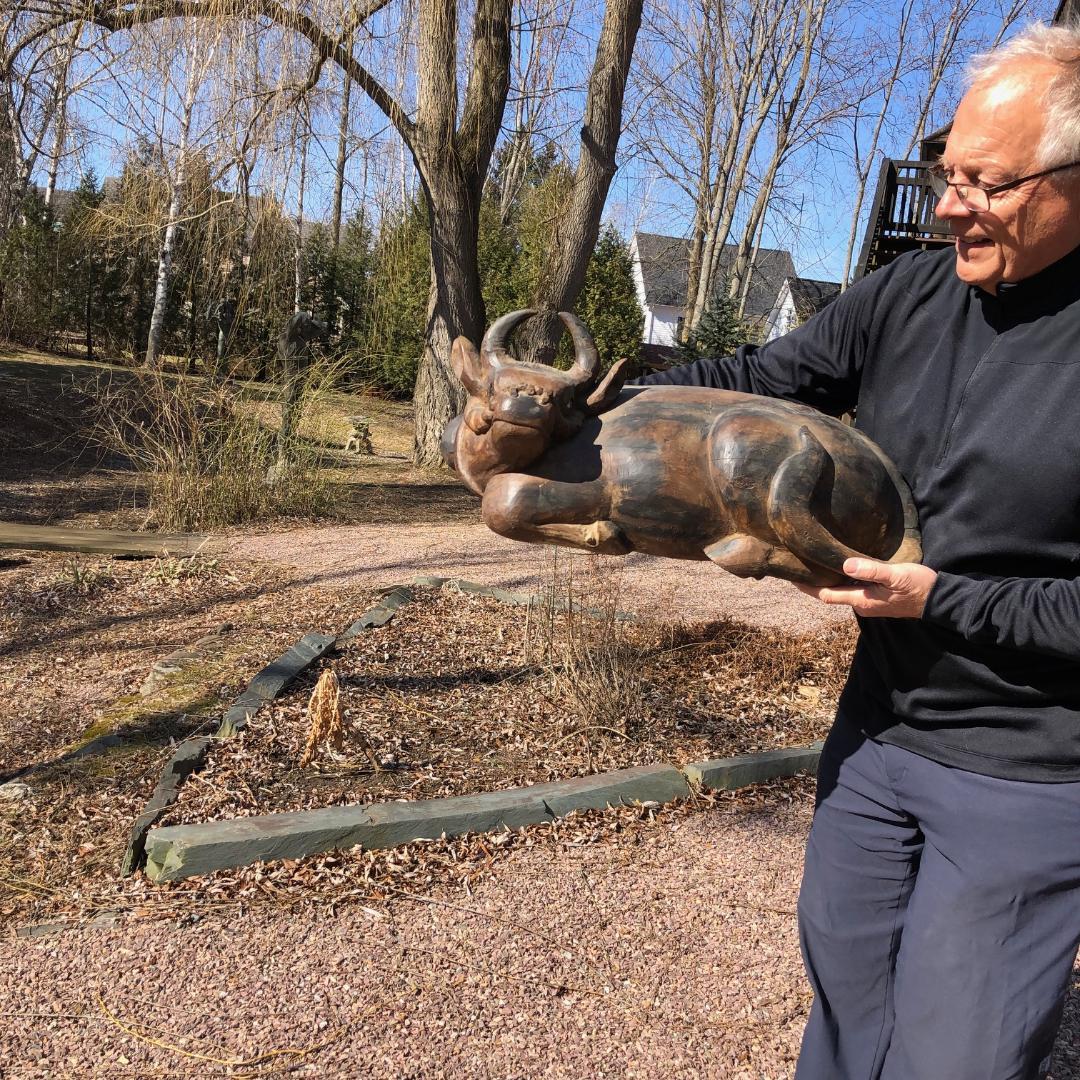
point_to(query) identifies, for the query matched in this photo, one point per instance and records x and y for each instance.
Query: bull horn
(586, 358)
(493, 348)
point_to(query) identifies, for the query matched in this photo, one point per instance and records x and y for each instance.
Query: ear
(465, 361)
(608, 390)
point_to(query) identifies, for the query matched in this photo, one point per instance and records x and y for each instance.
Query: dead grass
(50, 475)
(324, 717)
(594, 659)
(207, 460)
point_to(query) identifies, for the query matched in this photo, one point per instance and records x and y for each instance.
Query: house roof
(665, 266)
(810, 295)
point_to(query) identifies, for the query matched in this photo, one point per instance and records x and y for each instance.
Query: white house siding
(662, 325)
(782, 317)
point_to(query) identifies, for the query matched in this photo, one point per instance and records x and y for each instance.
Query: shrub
(596, 659)
(208, 457)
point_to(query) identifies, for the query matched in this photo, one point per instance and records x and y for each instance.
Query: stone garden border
(190, 755)
(172, 852)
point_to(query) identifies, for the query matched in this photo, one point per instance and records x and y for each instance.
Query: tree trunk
(298, 251)
(575, 236)
(452, 159)
(438, 396)
(168, 245)
(88, 308)
(60, 100)
(864, 165)
(455, 307)
(342, 158)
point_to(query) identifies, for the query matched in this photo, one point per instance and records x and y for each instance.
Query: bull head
(532, 396)
(516, 410)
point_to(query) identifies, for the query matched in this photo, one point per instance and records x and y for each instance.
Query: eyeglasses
(976, 198)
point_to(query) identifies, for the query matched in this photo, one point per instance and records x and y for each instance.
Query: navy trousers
(939, 918)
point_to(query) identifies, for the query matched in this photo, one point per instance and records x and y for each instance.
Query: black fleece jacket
(977, 400)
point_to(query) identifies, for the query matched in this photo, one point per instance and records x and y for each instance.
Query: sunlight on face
(994, 138)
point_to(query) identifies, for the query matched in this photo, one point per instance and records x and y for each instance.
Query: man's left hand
(884, 590)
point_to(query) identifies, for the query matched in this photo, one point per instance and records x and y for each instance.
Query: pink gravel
(673, 957)
(388, 554)
(671, 953)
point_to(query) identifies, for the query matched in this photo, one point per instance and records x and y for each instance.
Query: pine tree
(719, 332)
(608, 304)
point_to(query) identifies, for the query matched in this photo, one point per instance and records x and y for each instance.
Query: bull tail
(910, 549)
(790, 516)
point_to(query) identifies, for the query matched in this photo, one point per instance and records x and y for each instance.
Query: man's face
(994, 139)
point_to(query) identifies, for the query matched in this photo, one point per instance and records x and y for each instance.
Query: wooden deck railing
(902, 216)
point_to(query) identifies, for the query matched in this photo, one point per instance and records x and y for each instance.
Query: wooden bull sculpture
(758, 485)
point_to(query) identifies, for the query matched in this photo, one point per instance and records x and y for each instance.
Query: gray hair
(1060, 45)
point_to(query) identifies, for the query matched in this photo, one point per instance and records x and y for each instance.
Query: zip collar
(1045, 287)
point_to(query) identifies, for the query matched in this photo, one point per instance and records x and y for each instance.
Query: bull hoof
(606, 538)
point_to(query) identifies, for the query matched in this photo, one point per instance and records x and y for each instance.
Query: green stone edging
(727, 774)
(191, 754)
(179, 851)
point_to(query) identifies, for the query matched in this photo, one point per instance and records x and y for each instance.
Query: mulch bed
(462, 694)
(451, 694)
(78, 633)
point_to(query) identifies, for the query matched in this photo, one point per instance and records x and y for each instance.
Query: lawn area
(52, 472)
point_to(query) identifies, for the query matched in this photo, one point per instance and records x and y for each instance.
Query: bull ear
(608, 390)
(465, 360)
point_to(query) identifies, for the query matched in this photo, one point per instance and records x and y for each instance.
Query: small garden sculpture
(359, 441)
(758, 485)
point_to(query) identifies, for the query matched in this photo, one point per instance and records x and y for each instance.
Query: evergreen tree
(719, 332)
(388, 347)
(608, 304)
(28, 269)
(89, 299)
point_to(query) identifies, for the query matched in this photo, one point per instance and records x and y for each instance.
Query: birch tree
(730, 70)
(200, 56)
(450, 129)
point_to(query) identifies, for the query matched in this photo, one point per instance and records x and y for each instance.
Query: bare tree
(303, 137)
(727, 67)
(199, 58)
(450, 130)
(865, 156)
(574, 237)
(951, 30)
(342, 154)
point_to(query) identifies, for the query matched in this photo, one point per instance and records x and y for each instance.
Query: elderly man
(940, 905)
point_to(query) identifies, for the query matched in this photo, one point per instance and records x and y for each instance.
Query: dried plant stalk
(328, 721)
(324, 713)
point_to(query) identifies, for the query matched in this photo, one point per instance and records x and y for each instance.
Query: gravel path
(672, 953)
(387, 554)
(673, 957)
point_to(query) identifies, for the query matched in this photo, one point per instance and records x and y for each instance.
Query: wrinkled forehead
(538, 376)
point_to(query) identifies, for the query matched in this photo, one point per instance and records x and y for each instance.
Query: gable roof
(810, 295)
(665, 266)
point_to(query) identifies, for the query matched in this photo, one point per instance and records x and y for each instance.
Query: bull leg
(748, 557)
(541, 511)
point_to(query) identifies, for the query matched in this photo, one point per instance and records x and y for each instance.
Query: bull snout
(534, 410)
